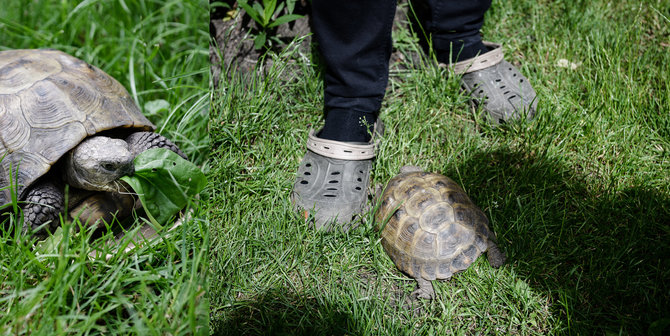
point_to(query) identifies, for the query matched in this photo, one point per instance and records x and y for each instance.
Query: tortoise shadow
(602, 256)
(281, 312)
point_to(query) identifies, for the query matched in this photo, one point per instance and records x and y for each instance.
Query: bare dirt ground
(232, 32)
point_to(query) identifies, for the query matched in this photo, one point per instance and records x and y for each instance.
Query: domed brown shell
(49, 102)
(433, 230)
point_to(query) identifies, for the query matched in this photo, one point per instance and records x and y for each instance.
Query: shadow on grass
(279, 312)
(601, 254)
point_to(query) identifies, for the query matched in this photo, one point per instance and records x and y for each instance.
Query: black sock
(463, 50)
(347, 125)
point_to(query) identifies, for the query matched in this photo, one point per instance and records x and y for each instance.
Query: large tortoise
(432, 228)
(64, 121)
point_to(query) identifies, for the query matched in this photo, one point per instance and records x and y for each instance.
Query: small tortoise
(433, 229)
(59, 112)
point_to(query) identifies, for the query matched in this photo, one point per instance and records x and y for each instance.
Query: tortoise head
(97, 163)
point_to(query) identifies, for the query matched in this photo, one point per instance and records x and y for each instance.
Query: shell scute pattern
(42, 142)
(49, 102)
(436, 218)
(431, 228)
(22, 70)
(425, 245)
(43, 106)
(444, 269)
(15, 128)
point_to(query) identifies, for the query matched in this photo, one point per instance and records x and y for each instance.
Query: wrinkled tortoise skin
(433, 230)
(49, 102)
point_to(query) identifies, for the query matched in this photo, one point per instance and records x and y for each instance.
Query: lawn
(158, 50)
(579, 198)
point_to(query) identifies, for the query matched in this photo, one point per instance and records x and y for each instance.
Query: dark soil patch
(233, 32)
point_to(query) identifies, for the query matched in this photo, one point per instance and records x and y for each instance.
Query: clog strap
(344, 150)
(491, 58)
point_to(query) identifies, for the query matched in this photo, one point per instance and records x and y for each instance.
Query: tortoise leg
(42, 204)
(138, 142)
(495, 256)
(103, 207)
(424, 289)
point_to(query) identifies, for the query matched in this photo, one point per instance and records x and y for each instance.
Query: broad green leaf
(164, 182)
(260, 39)
(155, 107)
(50, 245)
(284, 19)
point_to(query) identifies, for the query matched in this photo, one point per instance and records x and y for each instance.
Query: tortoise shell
(432, 228)
(49, 102)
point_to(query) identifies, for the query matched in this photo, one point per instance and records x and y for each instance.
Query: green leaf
(50, 245)
(260, 39)
(216, 4)
(250, 11)
(155, 107)
(284, 19)
(261, 13)
(290, 5)
(164, 182)
(269, 10)
(278, 9)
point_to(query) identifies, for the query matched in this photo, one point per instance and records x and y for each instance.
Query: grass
(579, 198)
(158, 50)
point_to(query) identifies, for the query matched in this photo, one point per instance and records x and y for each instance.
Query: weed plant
(579, 198)
(267, 15)
(158, 50)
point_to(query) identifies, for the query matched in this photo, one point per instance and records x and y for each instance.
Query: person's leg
(454, 27)
(354, 38)
(494, 84)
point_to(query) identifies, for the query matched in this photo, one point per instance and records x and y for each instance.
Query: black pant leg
(354, 38)
(453, 26)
